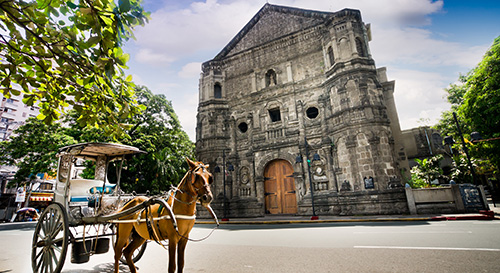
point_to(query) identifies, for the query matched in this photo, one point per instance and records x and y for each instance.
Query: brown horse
(194, 187)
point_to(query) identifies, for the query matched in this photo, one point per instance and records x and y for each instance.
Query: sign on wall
(20, 195)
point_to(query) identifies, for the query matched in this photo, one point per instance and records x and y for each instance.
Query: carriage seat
(82, 189)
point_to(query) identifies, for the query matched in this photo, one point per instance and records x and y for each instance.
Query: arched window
(270, 78)
(330, 56)
(217, 91)
(275, 114)
(360, 48)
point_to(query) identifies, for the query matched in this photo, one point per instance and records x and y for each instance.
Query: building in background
(13, 113)
(299, 120)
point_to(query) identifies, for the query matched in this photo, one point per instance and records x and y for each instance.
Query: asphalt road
(447, 246)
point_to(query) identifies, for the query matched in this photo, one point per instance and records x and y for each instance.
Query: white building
(13, 113)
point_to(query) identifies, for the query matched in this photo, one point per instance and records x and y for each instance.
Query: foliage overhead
(68, 53)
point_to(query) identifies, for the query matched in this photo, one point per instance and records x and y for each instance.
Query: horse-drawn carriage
(86, 213)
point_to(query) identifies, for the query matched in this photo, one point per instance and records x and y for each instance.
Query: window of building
(243, 127)
(331, 58)
(312, 112)
(24, 114)
(275, 114)
(360, 48)
(217, 91)
(270, 78)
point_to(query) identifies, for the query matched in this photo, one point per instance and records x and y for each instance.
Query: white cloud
(416, 47)
(156, 58)
(190, 70)
(419, 95)
(174, 34)
(137, 79)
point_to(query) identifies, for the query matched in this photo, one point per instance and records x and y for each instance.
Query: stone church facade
(295, 101)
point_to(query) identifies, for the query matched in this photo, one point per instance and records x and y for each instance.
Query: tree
(156, 130)
(62, 54)
(461, 172)
(33, 149)
(480, 108)
(475, 100)
(446, 125)
(427, 170)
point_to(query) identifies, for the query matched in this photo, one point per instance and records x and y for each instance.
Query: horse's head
(200, 182)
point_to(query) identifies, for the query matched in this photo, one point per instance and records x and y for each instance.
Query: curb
(278, 222)
(18, 225)
(481, 217)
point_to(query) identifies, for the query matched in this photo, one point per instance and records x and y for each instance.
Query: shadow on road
(100, 268)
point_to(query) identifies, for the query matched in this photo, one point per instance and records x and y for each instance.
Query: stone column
(378, 172)
(351, 145)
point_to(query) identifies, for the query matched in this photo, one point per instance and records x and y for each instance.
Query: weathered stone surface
(293, 77)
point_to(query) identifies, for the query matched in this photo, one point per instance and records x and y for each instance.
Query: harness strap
(142, 220)
(151, 230)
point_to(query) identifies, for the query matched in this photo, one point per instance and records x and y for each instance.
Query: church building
(295, 118)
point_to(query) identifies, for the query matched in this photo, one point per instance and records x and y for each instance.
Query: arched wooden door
(279, 187)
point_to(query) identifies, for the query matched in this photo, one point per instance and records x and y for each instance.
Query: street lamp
(316, 157)
(230, 168)
(448, 140)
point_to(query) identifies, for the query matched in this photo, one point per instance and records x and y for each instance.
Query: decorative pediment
(270, 23)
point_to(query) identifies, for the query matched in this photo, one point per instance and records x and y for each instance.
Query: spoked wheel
(50, 240)
(137, 255)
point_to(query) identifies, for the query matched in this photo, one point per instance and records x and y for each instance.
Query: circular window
(312, 112)
(243, 127)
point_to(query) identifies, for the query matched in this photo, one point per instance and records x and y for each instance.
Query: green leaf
(41, 4)
(93, 40)
(124, 5)
(15, 92)
(71, 5)
(107, 20)
(41, 116)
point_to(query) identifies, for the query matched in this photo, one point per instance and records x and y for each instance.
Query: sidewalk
(492, 214)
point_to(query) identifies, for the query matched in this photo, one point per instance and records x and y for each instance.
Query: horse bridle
(194, 197)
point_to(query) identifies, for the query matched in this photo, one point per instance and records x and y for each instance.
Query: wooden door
(279, 187)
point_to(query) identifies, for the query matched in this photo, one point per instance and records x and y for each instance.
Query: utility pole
(466, 150)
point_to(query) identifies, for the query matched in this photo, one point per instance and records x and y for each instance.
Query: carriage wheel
(137, 255)
(50, 240)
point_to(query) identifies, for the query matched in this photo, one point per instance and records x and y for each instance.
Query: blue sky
(424, 45)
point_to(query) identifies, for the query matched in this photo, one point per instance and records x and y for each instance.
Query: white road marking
(486, 223)
(412, 232)
(428, 248)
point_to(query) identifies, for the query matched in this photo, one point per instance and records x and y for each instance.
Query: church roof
(272, 22)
